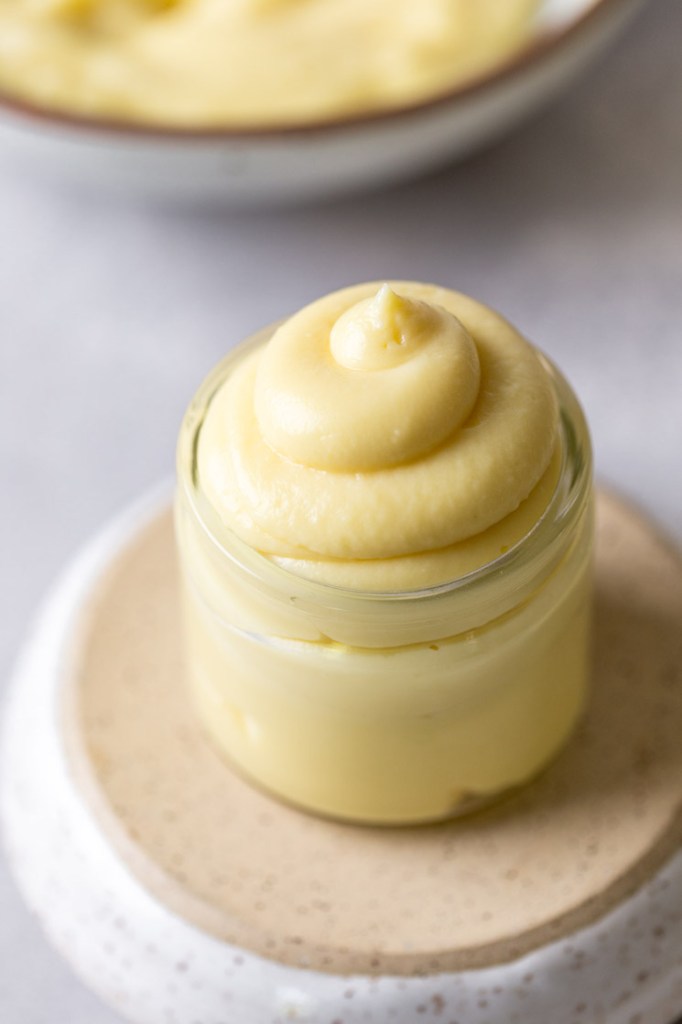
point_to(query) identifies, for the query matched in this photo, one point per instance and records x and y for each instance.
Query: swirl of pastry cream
(386, 435)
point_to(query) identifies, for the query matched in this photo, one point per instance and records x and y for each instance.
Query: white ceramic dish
(322, 159)
(624, 968)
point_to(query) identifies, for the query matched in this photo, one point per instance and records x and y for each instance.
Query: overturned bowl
(321, 158)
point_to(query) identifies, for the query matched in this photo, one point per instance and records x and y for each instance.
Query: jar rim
(538, 547)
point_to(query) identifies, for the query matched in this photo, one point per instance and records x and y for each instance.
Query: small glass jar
(389, 708)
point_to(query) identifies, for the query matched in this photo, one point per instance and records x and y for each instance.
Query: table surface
(113, 312)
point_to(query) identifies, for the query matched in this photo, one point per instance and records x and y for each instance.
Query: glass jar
(389, 708)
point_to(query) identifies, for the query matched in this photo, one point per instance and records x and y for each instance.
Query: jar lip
(569, 496)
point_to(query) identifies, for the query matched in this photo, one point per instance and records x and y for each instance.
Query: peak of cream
(386, 382)
(386, 435)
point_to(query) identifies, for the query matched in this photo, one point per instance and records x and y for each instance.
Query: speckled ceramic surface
(184, 896)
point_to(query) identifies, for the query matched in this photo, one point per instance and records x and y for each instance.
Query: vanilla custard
(249, 62)
(384, 522)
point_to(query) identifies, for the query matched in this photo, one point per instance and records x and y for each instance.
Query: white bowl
(323, 158)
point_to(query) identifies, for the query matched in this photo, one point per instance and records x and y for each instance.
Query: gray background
(111, 314)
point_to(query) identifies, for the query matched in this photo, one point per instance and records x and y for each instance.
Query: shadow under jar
(389, 708)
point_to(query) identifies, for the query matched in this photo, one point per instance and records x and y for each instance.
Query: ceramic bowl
(324, 158)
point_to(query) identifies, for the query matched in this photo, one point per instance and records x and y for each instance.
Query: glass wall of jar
(399, 707)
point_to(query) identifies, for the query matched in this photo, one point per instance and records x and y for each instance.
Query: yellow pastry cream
(385, 530)
(249, 62)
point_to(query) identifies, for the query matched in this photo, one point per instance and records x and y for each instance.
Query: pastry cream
(254, 62)
(384, 525)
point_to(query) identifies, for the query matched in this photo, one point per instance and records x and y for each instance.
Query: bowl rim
(540, 48)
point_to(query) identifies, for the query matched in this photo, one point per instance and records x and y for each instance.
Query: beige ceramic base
(181, 895)
(303, 891)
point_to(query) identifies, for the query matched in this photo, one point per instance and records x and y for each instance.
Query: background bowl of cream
(322, 157)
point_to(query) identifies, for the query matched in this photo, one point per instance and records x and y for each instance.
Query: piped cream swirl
(390, 380)
(380, 435)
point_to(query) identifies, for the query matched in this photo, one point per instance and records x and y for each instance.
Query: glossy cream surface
(194, 62)
(387, 438)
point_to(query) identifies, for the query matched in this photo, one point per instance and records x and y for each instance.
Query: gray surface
(112, 314)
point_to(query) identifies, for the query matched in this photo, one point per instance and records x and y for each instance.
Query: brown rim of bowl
(540, 48)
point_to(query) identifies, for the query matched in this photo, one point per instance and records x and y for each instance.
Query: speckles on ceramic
(477, 891)
(111, 908)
